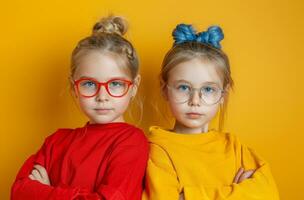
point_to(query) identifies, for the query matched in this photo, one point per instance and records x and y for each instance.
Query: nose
(195, 99)
(102, 94)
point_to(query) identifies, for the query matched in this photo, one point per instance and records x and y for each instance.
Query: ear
(164, 92)
(226, 90)
(222, 100)
(73, 87)
(136, 84)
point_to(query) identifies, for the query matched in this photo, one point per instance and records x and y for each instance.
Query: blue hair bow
(186, 33)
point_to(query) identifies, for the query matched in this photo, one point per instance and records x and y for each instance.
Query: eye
(209, 89)
(183, 88)
(116, 84)
(88, 83)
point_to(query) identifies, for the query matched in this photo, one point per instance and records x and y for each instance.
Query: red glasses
(89, 87)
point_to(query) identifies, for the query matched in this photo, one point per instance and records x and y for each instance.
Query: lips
(194, 115)
(103, 110)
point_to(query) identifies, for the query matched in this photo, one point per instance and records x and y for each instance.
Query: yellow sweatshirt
(203, 166)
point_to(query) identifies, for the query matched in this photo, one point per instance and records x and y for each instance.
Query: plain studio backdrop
(263, 39)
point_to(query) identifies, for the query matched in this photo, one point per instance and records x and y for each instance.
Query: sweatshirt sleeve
(161, 178)
(261, 186)
(26, 189)
(122, 182)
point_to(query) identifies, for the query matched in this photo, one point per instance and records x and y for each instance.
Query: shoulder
(232, 139)
(248, 156)
(135, 133)
(159, 158)
(58, 134)
(228, 137)
(157, 151)
(132, 129)
(132, 135)
(130, 143)
(157, 134)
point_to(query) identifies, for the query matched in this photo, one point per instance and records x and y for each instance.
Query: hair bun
(212, 36)
(183, 33)
(111, 24)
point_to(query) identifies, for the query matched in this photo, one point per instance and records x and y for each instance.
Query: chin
(193, 123)
(101, 120)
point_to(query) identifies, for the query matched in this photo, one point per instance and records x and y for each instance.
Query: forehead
(101, 66)
(195, 72)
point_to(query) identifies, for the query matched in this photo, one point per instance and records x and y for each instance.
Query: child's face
(104, 108)
(194, 93)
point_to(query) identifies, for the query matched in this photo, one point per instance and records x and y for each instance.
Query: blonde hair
(107, 36)
(186, 51)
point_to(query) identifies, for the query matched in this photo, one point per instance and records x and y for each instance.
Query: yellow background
(263, 38)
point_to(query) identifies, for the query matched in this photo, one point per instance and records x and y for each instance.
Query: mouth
(103, 110)
(194, 115)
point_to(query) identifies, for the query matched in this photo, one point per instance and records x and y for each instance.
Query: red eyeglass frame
(105, 84)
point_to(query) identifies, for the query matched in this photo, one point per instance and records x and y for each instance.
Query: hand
(39, 173)
(242, 175)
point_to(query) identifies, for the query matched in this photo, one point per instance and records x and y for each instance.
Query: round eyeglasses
(89, 87)
(209, 94)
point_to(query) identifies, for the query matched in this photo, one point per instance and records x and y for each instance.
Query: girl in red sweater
(105, 159)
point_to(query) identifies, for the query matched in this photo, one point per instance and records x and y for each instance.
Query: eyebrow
(182, 80)
(85, 77)
(115, 77)
(207, 82)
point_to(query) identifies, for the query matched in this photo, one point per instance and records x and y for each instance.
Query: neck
(180, 128)
(119, 119)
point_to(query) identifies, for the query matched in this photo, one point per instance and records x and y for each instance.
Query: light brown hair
(107, 36)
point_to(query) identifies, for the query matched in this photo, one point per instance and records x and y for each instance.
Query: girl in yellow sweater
(191, 161)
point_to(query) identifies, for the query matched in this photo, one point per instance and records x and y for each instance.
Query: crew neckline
(111, 124)
(186, 136)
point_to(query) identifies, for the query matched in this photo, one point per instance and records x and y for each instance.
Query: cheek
(85, 102)
(211, 111)
(176, 108)
(122, 103)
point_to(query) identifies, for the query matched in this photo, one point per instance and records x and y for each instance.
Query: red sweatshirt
(97, 161)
